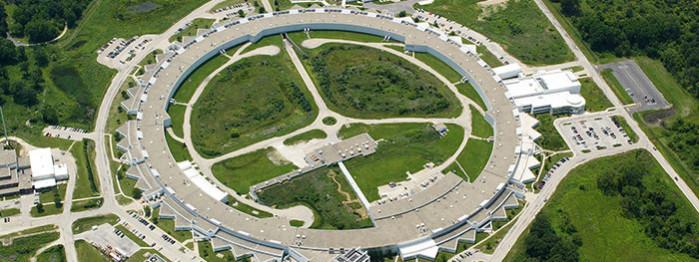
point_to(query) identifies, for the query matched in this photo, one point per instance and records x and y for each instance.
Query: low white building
(44, 172)
(555, 92)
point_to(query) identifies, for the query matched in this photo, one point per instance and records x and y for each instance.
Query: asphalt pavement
(637, 85)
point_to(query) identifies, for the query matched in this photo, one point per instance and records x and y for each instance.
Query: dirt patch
(276, 158)
(349, 202)
(143, 7)
(657, 117)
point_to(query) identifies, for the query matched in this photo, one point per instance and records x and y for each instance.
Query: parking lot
(637, 85)
(64, 132)
(105, 236)
(593, 133)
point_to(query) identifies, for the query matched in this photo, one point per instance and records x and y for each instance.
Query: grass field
(305, 137)
(86, 185)
(329, 121)
(480, 127)
(55, 253)
(241, 172)
(176, 113)
(168, 225)
(48, 196)
(327, 193)
(406, 148)
(191, 30)
(364, 82)
(473, 159)
(84, 224)
(488, 57)
(189, 85)
(595, 100)
(520, 27)
(469, 91)
(150, 58)
(22, 249)
(578, 200)
(87, 252)
(439, 66)
(178, 150)
(616, 86)
(550, 138)
(225, 3)
(686, 108)
(254, 99)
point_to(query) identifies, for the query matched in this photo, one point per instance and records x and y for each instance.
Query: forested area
(43, 20)
(684, 139)
(544, 244)
(655, 209)
(666, 30)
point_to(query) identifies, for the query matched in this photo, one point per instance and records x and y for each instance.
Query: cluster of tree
(299, 97)
(43, 20)
(668, 30)
(655, 209)
(24, 91)
(684, 140)
(544, 244)
(88, 146)
(382, 84)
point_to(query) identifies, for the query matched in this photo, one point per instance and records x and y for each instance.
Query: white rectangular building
(41, 162)
(555, 92)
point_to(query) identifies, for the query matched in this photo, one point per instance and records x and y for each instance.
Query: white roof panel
(41, 163)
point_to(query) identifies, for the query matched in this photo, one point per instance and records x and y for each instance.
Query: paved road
(632, 78)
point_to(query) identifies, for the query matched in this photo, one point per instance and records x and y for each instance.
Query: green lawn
(520, 27)
(406, 148)
(83, 205)
(241, 172)
(176, 113)
(359, 37)
(364, 82)
(48, 196)
(55, 253)
(189, 85)
(247, 209)
(473, 159)
(150, 58)
(579, 207)
(178, 150)
(595, 100)
(480, 127)
(86, 185)
(88, 252)
(31, 231)
(488, 57)
(206, 252)
(168, 225)
(439, 66)
(140, 255)
(9, 212)
(323, 190)
(329, 121)
(469, 91)
(85, 224)
(616, 86)
(296, 223)
(132, 236)
(550, 138)
(252, 100)
(192, 29)
(127, 186)
(22, 249)
(305, 137)
(49, 209)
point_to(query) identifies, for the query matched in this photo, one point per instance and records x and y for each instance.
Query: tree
(40, 57)
(570, 7)
(40, 31)
(241, 13)
(39, 207)
(402, 14)
(146, 211)
(137, 194)
(49, 115)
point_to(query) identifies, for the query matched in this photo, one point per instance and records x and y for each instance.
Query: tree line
(665, 30)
